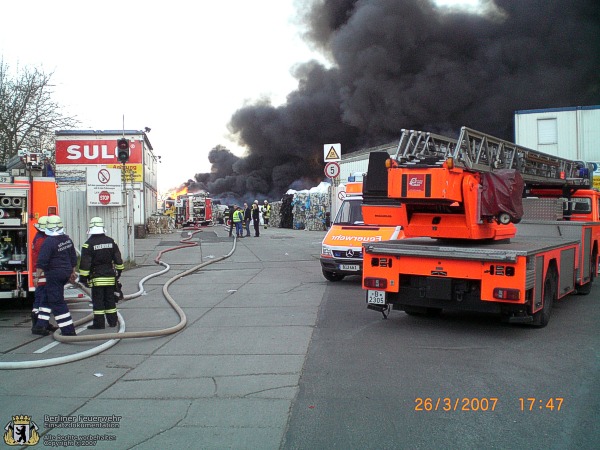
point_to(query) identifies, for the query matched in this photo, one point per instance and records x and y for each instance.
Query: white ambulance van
(341, 250)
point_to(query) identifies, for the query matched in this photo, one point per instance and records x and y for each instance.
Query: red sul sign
(84, 151)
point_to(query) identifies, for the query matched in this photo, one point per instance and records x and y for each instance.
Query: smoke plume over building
(409, 64)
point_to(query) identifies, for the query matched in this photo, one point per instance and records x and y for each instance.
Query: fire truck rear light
(507, 294)
(450, 163)
(377, 283)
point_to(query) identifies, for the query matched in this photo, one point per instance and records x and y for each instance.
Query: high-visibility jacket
(238, 215)
(267, 211)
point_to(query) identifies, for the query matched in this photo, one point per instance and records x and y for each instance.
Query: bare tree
(28, 114)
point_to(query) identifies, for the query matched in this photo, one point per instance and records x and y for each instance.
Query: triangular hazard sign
(332, 154)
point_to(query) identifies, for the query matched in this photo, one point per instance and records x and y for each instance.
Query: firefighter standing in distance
(40, 289)
(100, 258)
(266, 212)
(57, 260)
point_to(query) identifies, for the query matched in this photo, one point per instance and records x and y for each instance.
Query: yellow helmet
(41, 223)
(96, 226)
(54, 226)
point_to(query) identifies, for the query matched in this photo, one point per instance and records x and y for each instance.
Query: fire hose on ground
(113, 338)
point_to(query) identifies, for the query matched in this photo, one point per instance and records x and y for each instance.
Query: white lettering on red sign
(416, 182)
(74, 152)
(94, 151)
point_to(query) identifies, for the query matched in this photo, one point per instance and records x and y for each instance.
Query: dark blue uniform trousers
(55, 304)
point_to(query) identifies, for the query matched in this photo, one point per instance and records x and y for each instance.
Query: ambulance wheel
(332, 276)
(542, 317)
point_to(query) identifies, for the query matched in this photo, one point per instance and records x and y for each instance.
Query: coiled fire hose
(113, 338)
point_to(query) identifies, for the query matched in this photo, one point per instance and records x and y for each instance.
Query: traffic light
(123, 150)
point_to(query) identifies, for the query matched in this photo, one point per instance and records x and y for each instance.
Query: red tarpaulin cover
(502, 193)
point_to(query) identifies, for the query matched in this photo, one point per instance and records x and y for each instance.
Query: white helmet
(41, 223)
(96, 226)
(54, 226)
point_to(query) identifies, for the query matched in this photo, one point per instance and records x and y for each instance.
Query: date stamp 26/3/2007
(524, 404)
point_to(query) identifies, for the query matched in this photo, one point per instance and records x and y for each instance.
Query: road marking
(55, 343)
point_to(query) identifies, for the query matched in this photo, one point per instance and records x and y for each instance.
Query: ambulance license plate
(376, 297)
(350, 267)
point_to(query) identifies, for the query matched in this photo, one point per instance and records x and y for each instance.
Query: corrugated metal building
(572, 133)
(358, 161)
(80, 152)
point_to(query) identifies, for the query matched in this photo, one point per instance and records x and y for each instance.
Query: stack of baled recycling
(275, 219)
(160, 225)
(309, 208)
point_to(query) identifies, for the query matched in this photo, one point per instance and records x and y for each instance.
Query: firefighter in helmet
(40, 283)
(100, 268)
(266, 213)
(57, 261)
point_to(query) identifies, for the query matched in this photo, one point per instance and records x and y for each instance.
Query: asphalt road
(456, 381)
(273, 356)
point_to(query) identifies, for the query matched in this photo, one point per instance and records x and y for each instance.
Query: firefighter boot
(98, 322)
(34, 317)
(69, 330)
(40, 331)
(112, 322)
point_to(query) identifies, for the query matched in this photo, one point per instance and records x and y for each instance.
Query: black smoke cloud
(408, 64)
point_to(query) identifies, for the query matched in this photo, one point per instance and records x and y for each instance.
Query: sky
(180, 68)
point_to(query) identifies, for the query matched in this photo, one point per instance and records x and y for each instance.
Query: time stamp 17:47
(485, 403)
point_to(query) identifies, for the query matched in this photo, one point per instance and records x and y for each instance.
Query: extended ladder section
(484, 153)
(422, 147)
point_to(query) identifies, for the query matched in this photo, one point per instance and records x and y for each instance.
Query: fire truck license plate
(376, 297)
(350, 267)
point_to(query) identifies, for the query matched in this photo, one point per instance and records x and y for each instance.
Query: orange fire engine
(474, 243)
(25, 195)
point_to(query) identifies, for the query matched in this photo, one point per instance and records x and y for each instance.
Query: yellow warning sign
(332, 152)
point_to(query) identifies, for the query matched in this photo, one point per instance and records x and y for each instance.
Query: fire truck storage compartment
(13, 229)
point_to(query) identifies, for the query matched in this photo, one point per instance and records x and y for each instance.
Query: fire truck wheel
(332, 276)
(504, 218)
(542, 317)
